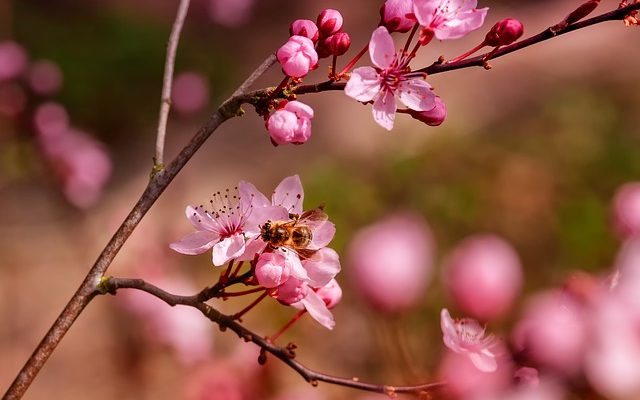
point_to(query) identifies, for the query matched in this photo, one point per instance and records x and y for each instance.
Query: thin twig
(157, 185)
(285, 354)
(167, 82)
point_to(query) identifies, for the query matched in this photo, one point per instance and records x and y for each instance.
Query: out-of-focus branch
(167, 83)
(158, 183)
(285, 354)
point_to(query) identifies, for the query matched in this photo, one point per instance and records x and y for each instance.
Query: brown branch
(285, 354)
(157, 185)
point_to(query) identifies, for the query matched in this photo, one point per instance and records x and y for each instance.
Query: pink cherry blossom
(329, 22)
(272, 270)
(298, 56)
(626, 209)
(215, 380)
(449, 19)
(232, 224)
(433, 117)
(391, 261)
(466, 381)
(467, 337)
(392, 76)
(298, 294)
(393, 14)
(291, 124)
(13, 60)
(484, 276)
(190, 93)
(331, 293)
(304, 27)
(230, 13)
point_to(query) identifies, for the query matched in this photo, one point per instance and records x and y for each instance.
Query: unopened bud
(395, 15)
(433, 117)
(329, 22)
(304, 27)
(338, 44)
(504, 32)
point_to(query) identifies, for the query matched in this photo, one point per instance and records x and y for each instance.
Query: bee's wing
(313, 218)
(305, 253)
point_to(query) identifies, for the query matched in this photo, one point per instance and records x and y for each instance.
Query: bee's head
(265, 231)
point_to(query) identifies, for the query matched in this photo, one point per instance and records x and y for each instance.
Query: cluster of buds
(285, 245)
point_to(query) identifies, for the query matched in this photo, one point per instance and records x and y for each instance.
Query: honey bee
(295, 234)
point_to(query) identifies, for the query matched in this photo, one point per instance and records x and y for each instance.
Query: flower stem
(288, 325)
(279, 88)
(254, 303)
(242, 293)
(468, 53)
(234, 273)
(332, 75)
(353, 62)
(410, 38)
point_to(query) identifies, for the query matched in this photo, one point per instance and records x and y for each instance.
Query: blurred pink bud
(230, 13)
(215, 381)
(484, 276)
(45, 77)
(433, 117)
(190, 93)
(338, 43)
(466, 336)
(331, 293)
(271, 270)
(13, 60)
(393, 14)
(466, 381)
(51, 121)
(527, 377)
(13, 99)
(291, 124)
(626, 209)
(504, 32)
(304, 27)
(298, 56)
(391, 261)
(552, 332)
(292, 291)
(329, 22)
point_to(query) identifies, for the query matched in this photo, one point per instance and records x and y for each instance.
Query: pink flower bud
(271, 270)
(291, 124)
(304, 27)
(484, 276)
(391, 261)
(331, 293)
(337, 44)
(504, 32)
(393, 14)
(329, 22)
(433, 117)
(292, 291)
(626, 210)
(13, 60)
(298, 56)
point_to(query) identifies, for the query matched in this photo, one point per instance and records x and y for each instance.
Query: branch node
(104, 286)
(262, 358)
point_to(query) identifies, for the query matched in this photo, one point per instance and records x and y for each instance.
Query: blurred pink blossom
(391, 261)
(527, 377)
(483, 274)
(13, 60)
(45, 77)
(465, 380)
(393, 14)
(13, 99)
(552, 332)
(390, 77)
(449, 19)
(626, 209)
(190, 93)
(290, 124)
(298, 56)
(230, 13)
(467, 337)
(80, 162)
(217, 380)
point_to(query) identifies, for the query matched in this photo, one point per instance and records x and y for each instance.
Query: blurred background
(532, 151)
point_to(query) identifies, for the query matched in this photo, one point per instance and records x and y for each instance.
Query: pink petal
(318, 310)
(250, 196)
(449, 332)
(228, 249)
(258, 216)
(381, 48)
(251, 248)
(195, 243)
(323, 266)
(464, 23)
(425, 11)
(294, 264)
(417, 95)
(364, 84)
(485, 361)
(384, 110)
(200, 219)
(299, 108)
(289, 194)
(322, 235)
